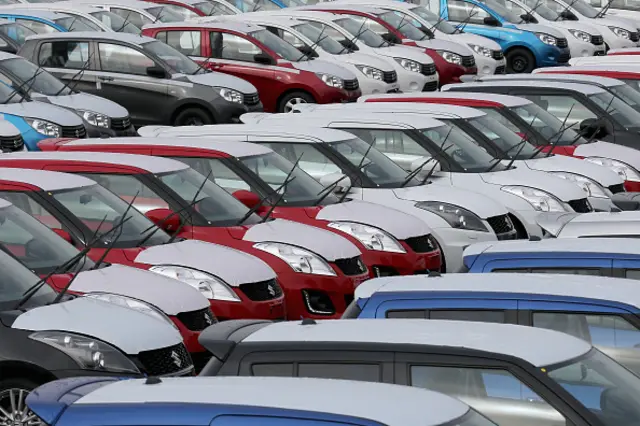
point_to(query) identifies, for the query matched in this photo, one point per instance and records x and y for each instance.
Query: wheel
(192, 117)
(13, 410)
(292, 99)
(520, 60)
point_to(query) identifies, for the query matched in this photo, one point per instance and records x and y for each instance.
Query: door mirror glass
(491, 21)
(263, 58)
(165, 219)
(156, 72)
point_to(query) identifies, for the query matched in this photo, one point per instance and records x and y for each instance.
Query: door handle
(106, 78)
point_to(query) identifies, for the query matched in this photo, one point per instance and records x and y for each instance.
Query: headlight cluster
(540, 200)
(89, 353)
(372, 238)
(581, 35)
(134, 304)
(211, 287)
(370, 72)
(230, 95)
(408, 64)
(454, 215)
(331, 80)
(621, 32)
(450, 57)
(624, 170)
(589, 186)
(547, 39)
(481, 50)
(44, 127)
(299, 259)
(95, 118)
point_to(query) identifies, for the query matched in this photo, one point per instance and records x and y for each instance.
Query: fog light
(318, 302)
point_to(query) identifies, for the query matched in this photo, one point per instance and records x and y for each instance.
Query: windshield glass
(501, 10)
(280, 47)
(549, 126)
(178, 62)
(15, 280)
(19, 32)
(254, 5)
(539, 7)
(583, 8)
(433, 19)
(210, 8)
(165, 14)
(321, 38)
(617, 108)
(403, 25)
(511, 144)
(115, 22)
(628, 94)
(44, 82)
(78, 23)
(7, 94)
(362, 33)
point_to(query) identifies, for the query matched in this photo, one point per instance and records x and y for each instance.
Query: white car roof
(44, 179)
(506, 100)
(587, 89)
(392, 405)
(257, 17)
(540, 347)
(577, 78)
(444, 111)
(92, 35)
(145, 162)
(344, 6)
(617, 290)
(223, 24)
(630, 67)
(324, 118)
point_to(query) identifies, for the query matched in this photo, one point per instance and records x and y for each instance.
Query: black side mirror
(491, 21)
(391, 38)
(568, 15)
(156, 72)
(348, 44)
(593, 128)
(528, 18)
(8, 49)
(263, 58)
(307, 50)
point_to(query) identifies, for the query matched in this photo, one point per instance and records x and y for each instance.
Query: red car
(188, 9)
(282, 74)
(318, 270)
(452, 60)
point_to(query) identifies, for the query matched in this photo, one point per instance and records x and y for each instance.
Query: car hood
(450, 46)
(617, 21)
(129, 330)
(540, 28)
(481, 205)
(324, 243)
(475, 39)
(325, 67)
(86, 102)
(399, 224)
(44, 111)
(218, 79)
(577, 25)
(169, 295)
(559, 163)
(520, 176)
(406, 52)
(609, 150)
(358, 58)
(214, 259)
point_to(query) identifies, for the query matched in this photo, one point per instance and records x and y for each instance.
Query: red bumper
(410, 263)
(335, 95)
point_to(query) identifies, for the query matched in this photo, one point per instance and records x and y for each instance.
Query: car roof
(145, 162)
(605, 246)
(506, 100)
(345, 6)
(44, 179)
(444, 110)
(94, 35)
(291, 393)
(577, 78)
(630, 67)
(130, 3)
(256, 17)
(588, 89)
(623, 216)
(617, 290)
(229, 24)
(324, 118)
(36, 13)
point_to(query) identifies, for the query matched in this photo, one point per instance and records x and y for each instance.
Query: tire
(17, 389)
(291, 99)
(192, 117)
(520, 61)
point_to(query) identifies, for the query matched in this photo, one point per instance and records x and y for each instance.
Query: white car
(629, 9)
(136, 12)
(595, 225)
(612, 61)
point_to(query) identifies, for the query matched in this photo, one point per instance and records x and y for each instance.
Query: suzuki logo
(77, 132)
(271, 290)
(176, 359)
(207, 318)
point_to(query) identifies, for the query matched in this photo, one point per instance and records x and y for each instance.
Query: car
(617, 8)
(12, 35)
(627, 51)
(138, 13)
(188, 9)
(317, 270)
(282, 74)
(597, 225)
(628, 73)
(499, 369)
(184, 92)
(457, 217)
(596, 113)
(44, 21)
(391, 242)
(252, 400)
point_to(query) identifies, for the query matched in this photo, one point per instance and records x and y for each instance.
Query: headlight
(481, 50)
(581, 35)
(624, 170)
(450, 57)
(134, 304)
(620, 32)
(230, 95)
(408, 64)
(44, 127)
(95, 119)
(370, 72)
(372, 238)
(455, 216)
(540, 200)
(211, 287)
(331, 80)
(300, 260)
(547, 39)
(589, 186)
(89, 353)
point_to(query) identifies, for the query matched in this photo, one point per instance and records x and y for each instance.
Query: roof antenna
(153, 380)
(434, 274)
(535, 238)
(308, 321)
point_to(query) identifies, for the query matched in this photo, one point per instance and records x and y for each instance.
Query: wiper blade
(194, 201)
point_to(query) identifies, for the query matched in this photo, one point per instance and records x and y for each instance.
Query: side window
(286, 36)
(568, 271)
(312, 162)
(561, 106)
(38, 27)
(465, 315)
(633, 274)
(233, 47)
(361, 372)
(515, 8)
(25, 203)
(64, 54)
(123, 59)
(221, 174)
(127, 187)
(130, 16)
(460, 11)
(273, 370)
(413, 313)
(390, 142)
(495, 115)
(186, 42)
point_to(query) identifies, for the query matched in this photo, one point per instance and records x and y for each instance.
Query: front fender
(179, 103)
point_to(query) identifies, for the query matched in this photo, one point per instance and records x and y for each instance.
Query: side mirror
(263, 58)
(164, 218)
(592, 128)
(568, 15)
(156, 72)
(63, 234)
(491, 21)
(8, 49)
(391, 38)
(528, 18)
(248, 198)
(307, 50)
(348, 44)
(331, 178)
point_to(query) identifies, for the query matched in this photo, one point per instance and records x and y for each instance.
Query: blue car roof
(34, 13)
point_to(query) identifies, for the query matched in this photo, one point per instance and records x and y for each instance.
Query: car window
(221, 174)
(116, 22)
(64, 54)
(466, 315)
(361, 372)
(38, 27)
(210, 8)
(136, 18)
(312, 161)
(409, 313)
(182, 11)
(233, 47)
(462, 11)
(562, 106)
(27, 204)
(273, 370)
(16, 32)
(369, 23)
(568, 271)
(123, 59)
(633, 274)
(186, 42)
(127, 187)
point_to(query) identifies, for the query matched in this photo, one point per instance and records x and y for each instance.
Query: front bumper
(551, 56)
(616, 42)
(413, 81)
(229, 112)
(602, 204)
(489, 66)
(369, 86)
(333, 95)
(98, 132)
(453, 241)
(410, 263)
(580, 48)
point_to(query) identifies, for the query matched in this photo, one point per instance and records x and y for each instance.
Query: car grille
(427, 69)
(564, 58)
(599, 53)
(422, 244)
(384, 271)
(597, 40)
(197, 320)
(263, 290)
(562, 42)
(351, 266)
(120, 123)
(497, 55)
(12, 144)
(251, 99)
(166, 361)
(351, 85)
(503, 227)
(432, 86)
(581, 206)
(635, 37)
(501, 69)
(390, 76)
(73, 132)
(468, 61)
(617, 188)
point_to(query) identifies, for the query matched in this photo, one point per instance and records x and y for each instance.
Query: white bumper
(580, 48)
(369, 86)
(488, 66)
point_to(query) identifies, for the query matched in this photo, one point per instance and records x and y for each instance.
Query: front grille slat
(501, 69)
(468, 61)
(597, 40)
(263, 290)
(351, 84)
(564, 58)
(11, 144)
(635, 36)
(351, 266)
(73, 132)
(430, 87)
(503, 227)
(166, 361)
(121, 123)
(422, 243)
(617, 188)
(427, 69)
(197, 320)
(390, 76)
(251, 99)
(562, 42)
(581, 206)
(497, 55)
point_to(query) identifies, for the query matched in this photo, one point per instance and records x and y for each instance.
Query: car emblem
(271, 290)
(207, 318)
(176, 359)
(77, 132)
(16, 143)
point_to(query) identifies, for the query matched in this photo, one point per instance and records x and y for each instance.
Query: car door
(71, 61)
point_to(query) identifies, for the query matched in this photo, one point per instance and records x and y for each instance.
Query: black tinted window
(362, 372)
(572, 271)
(278, 370)
(422, 314)
(482, 316)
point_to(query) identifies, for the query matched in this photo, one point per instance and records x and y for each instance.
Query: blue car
(44, 21)
(526, 46)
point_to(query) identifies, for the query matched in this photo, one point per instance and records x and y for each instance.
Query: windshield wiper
(521, 145)
(531, 12)
(604, 10)
(326, 191)
(566, 9)
(159, 15)
(414, 173)
(124, 24)
(279, 200)
(464, 23)
(28, 82)
(189, 215)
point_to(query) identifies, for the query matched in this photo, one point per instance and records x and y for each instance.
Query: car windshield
(403, 24)
(539, 7)
(183, 11)
(100, 211)
(501, 10)
(211, 8)
(254, 5)
(178, 62)
(554, 130)
(628, 94)
(510, 144)
(602, 385)
(8, 95)
(321, 38)
(362, 33)
(617, 108)
(19, 32)
(278, 46)
(15, 280)
(43, 82)
(165, 14)
(433, 19)
(634, 83)
(78, 23)
(115, 22)
(583, 8)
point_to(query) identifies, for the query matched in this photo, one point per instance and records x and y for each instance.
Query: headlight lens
(331, 80)
(95, 119)
(581, 35)
(481, 50)
(541, 201)
(230, 95)
(89, 353)
(134, 304)
(547, 39)
(370, 72)
(451, 57)
(211, 287)
(44, 127)
(300, 260)
(620, 32)
(589, 186)
(624, 170)
(372, 238)
(408, 64)
(455, 216)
